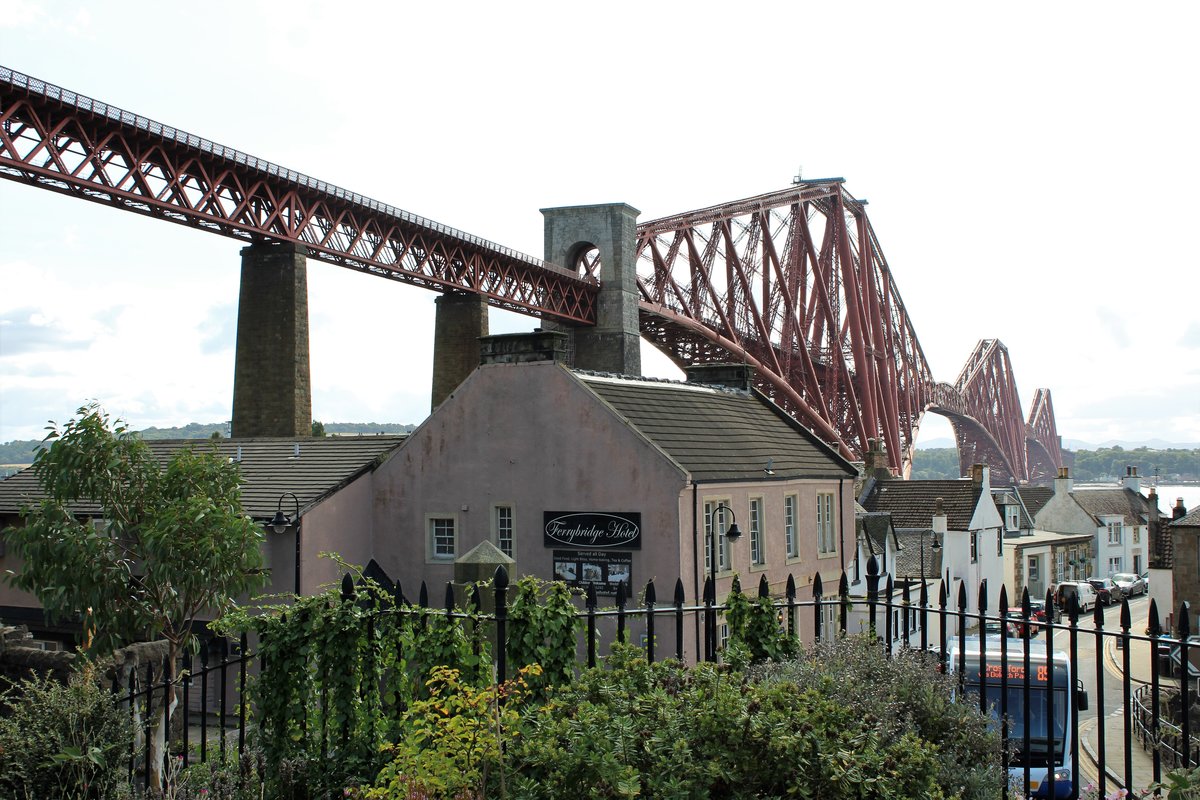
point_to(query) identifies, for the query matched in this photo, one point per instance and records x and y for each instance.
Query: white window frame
(501, 527)
(1114, 532)
(1012, 519)
(826, 527)
(974, 547)
(431, 554)
(1033, 570)
(758, 547)
(1115, 564)
(791, 541)
(710, 505)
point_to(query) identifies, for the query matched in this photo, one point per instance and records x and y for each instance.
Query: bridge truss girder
(55, 139)
(796, 282)
(1042, 441)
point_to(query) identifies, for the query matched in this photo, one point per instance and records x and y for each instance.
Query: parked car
(1082, 591)
(1037, 610)
(1145, 576)
(1107, 592)
(1130, 584)
(1015, 623)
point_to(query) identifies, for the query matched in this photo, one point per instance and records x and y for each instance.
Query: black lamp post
(732, 533)
(280, 523)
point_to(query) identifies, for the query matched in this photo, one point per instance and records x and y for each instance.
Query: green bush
(839, 722)
(63, 741)
(899, 696)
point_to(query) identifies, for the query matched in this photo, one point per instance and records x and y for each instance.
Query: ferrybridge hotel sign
(592, 530)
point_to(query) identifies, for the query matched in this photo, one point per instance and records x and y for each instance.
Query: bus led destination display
(1039, 673)
(591, 530)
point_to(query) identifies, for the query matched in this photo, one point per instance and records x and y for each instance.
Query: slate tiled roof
(1190, 520)
(908, 560)
(1130, 505)
(717, 433)
(1035, 497)
(875, 530)
(911, 503)
(269, 467)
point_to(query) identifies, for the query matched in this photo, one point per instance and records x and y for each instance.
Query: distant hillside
(1101, 465)
(19, 453)
(935, 463)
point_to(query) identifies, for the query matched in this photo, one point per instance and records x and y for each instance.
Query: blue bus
(1034, 694)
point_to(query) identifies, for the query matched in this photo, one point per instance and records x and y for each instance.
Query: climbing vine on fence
(754, 625)
(542, 624)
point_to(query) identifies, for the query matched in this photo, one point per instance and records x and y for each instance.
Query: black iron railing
(214, 704)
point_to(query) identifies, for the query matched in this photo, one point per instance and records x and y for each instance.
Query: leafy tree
(163, 544)
(318, 428)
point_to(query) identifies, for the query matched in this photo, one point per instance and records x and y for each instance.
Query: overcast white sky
(1032, 172)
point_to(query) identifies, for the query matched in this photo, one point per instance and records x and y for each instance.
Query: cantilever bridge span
(793, 282)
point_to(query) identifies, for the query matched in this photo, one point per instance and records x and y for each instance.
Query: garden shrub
(635, 729)
(901, 695)
(453, 746)
(66, 741)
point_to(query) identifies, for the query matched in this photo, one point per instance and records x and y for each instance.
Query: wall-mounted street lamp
(280, 523)
(732, 533)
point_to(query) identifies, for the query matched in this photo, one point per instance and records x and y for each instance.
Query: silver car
(1130, 584)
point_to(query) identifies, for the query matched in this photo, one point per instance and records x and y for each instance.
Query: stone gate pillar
(614, 343)
(461, 320)
(272, 390)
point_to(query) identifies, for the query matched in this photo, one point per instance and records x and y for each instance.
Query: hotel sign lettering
(592, 530)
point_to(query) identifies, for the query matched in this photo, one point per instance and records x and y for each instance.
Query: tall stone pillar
(461, 320)
(272, 390)
(614, 343)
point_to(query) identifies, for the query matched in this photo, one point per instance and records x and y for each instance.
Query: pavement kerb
(1086, 729)
(1114, 664)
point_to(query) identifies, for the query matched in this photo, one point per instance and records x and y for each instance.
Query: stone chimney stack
(939, 519)
(875, 463)
(981, 476)
(1063, 484)
(731, 376)
(1180, 510)
(1132, 481)
(520, 348)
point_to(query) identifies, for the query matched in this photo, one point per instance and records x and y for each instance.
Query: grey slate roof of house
(716, 433)
(1189, 520)
(911, 503)
(875, 529)
(1124, 502)
(908, 560)
(1035, 497)
(269, 467)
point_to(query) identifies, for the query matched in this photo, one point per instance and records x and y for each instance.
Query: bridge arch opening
(584, 259)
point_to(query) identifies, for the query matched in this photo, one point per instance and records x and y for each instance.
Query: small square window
(442, 538)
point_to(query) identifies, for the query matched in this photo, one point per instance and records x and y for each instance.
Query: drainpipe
(842, 532)
(696, 563)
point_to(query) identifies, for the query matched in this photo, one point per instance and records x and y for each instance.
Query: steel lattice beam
(796, 283)
(1042, 442)
(55, 139)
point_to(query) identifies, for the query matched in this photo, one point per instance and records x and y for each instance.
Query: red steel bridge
(793, 282)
